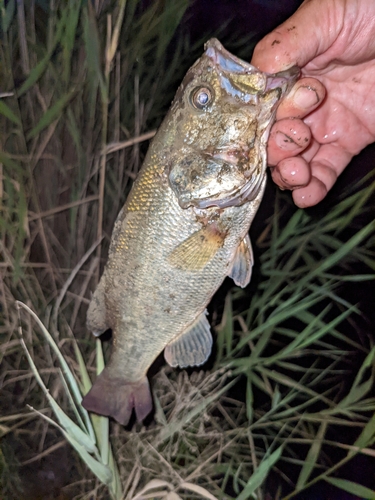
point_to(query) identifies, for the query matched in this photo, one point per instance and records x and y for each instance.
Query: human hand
(329, 116)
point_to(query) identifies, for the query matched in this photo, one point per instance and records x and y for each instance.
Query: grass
(287, 399)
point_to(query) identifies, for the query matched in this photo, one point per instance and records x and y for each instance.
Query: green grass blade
(103, 427)
(64, 365)
(52, 113)
(66, 423)
(69, 36)
(8, 113)
(312, 456)
(367, 436)
(224, 331)
(260, 475)
(72, 383)
(351, 487)
(86, 382)
(41, 67)
(249, 400)
(100, 470)
(346, 248)
(72, 403)
(93, 51)
(7, 14)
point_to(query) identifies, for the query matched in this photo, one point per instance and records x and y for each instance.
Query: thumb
(309, 32)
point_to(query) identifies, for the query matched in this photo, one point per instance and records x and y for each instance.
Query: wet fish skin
(184, 227)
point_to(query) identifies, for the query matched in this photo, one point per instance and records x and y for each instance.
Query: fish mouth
(248, 79)
(283, 79)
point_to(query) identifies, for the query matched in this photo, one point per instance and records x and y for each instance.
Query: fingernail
(306, 97)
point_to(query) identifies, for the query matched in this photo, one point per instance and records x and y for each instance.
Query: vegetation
(288, 397)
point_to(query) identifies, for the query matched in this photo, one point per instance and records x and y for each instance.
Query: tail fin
(115, 397)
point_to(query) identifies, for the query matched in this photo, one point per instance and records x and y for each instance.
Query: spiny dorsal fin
(196, 251)
(242, 263)
(193, 347)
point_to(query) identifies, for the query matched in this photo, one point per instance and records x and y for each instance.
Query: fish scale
(184, 227)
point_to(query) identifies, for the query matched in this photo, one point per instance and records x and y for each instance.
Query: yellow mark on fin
(196, 252)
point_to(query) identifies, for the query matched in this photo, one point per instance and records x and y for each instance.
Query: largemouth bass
(184, 227)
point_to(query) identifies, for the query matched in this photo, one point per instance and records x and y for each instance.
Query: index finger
(310, 31)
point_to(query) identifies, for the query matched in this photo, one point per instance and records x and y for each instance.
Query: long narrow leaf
(8, 113)
(259, 476)
(352, 487)
(53, 113)
(312, 456)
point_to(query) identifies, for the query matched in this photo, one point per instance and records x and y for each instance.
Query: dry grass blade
(113, 147)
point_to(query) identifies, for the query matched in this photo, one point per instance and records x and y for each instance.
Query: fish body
(184, 227)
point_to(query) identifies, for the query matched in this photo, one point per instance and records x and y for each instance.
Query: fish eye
(201, 97)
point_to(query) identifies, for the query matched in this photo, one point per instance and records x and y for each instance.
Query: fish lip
(229, 63)
(283, 79)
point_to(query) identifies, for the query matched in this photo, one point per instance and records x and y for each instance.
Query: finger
(311, 194)
(306, 95)
(328, 163)
(326, 166)
(292, 173)
(288, 137)
(312, 149)
(310, 31)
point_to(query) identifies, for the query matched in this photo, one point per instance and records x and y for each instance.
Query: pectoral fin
(196, 251)
(242, 263)
(193, 347)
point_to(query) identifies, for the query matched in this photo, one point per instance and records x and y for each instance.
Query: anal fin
(193, 347)
(116, 397)
(242, 263)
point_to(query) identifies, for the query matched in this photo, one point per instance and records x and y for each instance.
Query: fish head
(217, 129)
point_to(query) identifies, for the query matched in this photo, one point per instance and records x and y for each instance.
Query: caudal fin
(115, 397)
